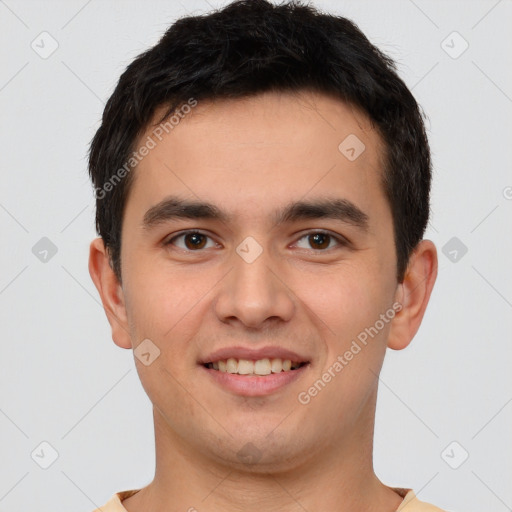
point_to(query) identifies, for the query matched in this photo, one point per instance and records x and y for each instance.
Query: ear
(110, 291)
(413, 294)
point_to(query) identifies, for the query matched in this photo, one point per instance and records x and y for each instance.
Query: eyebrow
(174, 207)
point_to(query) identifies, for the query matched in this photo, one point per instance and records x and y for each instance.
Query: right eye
(192, 241)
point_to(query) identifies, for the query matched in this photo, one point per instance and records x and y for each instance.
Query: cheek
(347, 296)
(164, 308)
(348, 309)
(164, 304)
(355, 341)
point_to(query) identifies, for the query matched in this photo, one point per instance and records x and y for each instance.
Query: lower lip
(255, 385)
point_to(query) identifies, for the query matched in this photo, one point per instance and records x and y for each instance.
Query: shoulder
(115, 504)
(412, 504)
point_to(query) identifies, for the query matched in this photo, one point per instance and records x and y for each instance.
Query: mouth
(250, 371)
(254, 377)
(254, 368)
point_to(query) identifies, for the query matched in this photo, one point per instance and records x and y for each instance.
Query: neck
(339, 479)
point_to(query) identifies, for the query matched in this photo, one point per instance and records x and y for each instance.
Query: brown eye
(195, 241)
(191, 241)
(319, 240)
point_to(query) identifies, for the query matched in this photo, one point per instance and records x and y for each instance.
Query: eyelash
(342, 242)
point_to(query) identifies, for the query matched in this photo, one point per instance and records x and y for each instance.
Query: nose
(254, 293)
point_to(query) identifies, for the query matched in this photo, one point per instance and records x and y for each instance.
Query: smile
(259, 367)
(262, 377)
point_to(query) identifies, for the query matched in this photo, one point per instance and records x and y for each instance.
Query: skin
(250, 157)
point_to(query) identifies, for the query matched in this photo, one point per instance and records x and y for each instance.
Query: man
(262, 178)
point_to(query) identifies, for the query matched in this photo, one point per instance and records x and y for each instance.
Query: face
(250, 235)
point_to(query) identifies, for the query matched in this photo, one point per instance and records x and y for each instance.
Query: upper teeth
(260, 367)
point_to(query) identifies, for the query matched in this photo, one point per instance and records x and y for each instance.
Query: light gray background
(64, 381)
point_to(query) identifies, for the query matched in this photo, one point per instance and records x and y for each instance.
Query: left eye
(320, 240)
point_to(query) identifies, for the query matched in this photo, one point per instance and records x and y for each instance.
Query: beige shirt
(409, 504)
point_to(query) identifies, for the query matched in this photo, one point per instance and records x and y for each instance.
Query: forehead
(270, 118)
(261, 150)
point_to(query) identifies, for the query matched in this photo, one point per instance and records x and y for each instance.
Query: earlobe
(413, 294)
(110, 291)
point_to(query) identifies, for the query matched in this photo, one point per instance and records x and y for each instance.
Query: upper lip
(253, 354)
